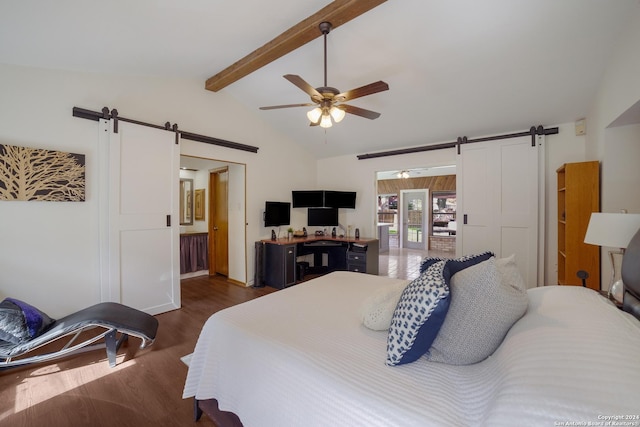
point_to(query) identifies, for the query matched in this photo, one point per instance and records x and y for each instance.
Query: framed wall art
(199, 205)
(33, 174)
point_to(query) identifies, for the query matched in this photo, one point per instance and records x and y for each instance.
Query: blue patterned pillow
(422, 309)
(21, 322)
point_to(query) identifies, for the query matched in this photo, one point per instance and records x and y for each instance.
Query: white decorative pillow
(377, 309)
(483, 308)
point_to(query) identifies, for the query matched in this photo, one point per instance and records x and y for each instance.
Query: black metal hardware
(114, 116)
(104, 114)
(168, 220)
(464, 219)
(540, 130)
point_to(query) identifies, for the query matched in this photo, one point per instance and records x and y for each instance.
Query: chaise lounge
(116, 321)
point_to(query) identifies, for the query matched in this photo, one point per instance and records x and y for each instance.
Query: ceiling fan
(329, 100)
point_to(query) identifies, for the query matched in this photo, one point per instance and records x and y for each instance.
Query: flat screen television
(340, 199)
(277, 213)
(307, 199)
(322, 217)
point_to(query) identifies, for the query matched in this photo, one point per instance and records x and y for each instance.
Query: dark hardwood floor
(144, 389)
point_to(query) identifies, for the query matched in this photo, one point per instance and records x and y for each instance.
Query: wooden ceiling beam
(337, 13)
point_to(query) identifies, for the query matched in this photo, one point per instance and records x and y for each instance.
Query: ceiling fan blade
(273, 107)
(302, 84)
(369, 89)
(367, 114)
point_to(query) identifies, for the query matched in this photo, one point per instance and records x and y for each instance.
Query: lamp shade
(337, 114)
(325, 121)
(613, 230)
(314, 115)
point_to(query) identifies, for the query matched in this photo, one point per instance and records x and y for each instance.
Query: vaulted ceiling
(454, 67)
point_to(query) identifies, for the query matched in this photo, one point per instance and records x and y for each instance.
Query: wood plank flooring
(144, 389)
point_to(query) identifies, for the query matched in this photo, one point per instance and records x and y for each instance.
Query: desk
(279, 257)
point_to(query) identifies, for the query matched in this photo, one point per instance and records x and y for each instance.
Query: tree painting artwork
(41, 175)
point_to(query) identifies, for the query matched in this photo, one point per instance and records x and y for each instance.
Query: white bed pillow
(509, 272)
(377, 309)
(485, 303)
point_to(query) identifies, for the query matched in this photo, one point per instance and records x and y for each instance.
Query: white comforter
(301, 357)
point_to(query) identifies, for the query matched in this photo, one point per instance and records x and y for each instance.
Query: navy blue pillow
(21, 322)
(461, 262)
(422, 309)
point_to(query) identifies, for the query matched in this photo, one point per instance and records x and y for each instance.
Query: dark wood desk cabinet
(280, 265)
(279, 257)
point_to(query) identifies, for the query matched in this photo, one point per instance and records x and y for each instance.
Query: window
(443, 213)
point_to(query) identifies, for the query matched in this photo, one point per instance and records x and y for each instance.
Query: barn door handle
(168, 220)
(464, 219)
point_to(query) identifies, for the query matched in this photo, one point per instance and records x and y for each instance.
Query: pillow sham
(418, 316)
(422, 309)
(484, 305)
(377, 309)
(21, 322)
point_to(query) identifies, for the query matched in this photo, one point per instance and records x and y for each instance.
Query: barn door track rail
(107, 114)
(534, 131)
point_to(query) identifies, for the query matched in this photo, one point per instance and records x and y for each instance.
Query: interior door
(143, 218)
(219, 222)
(498, 204)
(414, 219)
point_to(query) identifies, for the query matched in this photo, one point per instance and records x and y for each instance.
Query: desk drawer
(356, 257)
(357, 261)
(358, 268)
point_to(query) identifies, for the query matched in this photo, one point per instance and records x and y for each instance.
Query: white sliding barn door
(143, 228)
(498, 196)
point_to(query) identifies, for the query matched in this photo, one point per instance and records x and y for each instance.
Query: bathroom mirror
(186, 201)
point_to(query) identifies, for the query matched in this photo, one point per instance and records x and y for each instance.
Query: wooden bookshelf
(578, 197)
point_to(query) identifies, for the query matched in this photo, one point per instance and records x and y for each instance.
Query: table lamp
(613, 230)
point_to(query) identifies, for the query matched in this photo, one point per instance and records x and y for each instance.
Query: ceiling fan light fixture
(314, 115)
(337, 114)
(403, 174)
(325, 122)
(326, 97)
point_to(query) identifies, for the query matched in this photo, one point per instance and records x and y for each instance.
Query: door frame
(238, 244)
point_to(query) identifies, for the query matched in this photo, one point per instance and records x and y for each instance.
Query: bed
(302, 357)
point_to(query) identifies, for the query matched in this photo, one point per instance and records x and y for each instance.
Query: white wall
(618, 147)
(360, 175)
(49, 255)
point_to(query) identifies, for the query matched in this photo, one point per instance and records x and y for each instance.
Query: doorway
(414, 230)
(389, 185)
(232, 247)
